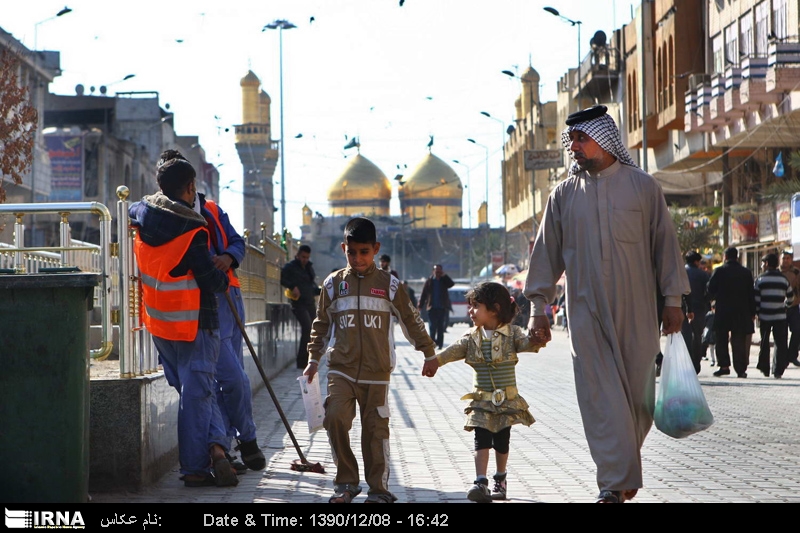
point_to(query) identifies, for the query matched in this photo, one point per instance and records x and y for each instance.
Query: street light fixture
(281, 25)
(486, 164)
(469, 212)
(36, 26)
(577, 23)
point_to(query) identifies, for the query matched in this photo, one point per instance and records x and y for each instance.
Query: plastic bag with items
(681, 407)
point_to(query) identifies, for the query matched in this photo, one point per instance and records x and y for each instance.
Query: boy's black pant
(305, 316)
(340, 410)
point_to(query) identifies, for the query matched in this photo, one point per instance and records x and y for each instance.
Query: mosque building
(427, 230)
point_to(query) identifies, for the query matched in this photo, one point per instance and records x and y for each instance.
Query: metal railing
(88, 257)
(119, 295)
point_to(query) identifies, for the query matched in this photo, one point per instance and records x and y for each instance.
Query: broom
(301, 465)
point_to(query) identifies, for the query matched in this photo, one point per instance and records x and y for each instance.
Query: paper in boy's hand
(312, 400)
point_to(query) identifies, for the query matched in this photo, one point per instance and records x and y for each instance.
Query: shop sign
(539, 159)
(796, 224)
(744, 224)
(784, 216)
(766, 222)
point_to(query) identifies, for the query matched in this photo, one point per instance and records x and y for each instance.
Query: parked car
(459, 302)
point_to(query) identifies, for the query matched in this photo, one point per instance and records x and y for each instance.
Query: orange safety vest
(170, 305)
(233, 280)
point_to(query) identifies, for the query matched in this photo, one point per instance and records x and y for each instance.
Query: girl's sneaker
(479, 492)
(499, 490)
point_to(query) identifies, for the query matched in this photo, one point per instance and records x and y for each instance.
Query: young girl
(491, 348)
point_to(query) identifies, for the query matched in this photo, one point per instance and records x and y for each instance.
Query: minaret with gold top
(258, 154)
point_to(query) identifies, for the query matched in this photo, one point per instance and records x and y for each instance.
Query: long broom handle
(264, 377)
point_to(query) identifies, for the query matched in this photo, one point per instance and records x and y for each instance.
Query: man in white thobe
(608, 227)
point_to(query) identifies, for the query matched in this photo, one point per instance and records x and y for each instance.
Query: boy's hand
(430, 367)
(310, 371)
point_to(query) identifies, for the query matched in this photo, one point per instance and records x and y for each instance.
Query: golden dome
(432, 178)
(362, 188)
(432, 195)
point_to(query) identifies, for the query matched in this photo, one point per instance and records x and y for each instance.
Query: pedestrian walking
(732, 287)
(608, 227)
(709, 337)
(353, 328)
(490, 347)
(298, 276)
(792, 273)
(697, 306)
(772, 292)
(436, 300)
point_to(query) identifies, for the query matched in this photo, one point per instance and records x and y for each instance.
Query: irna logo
(44, 520)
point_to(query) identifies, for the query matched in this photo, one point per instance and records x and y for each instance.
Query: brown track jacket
(354, 328)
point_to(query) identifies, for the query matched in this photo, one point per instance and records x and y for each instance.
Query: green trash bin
(44, 386)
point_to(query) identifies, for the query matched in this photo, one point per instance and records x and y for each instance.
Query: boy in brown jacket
(354, 329)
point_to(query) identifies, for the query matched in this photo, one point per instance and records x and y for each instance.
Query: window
(746, 34)
(671, 70)
(732, 45)
(762, 29)
(719, 62)
(780, 19)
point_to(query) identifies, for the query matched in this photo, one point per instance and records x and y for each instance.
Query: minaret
(259, 155)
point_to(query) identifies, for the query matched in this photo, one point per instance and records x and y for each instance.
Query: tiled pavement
(750, 454)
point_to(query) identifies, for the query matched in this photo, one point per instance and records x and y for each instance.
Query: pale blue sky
(388, 74)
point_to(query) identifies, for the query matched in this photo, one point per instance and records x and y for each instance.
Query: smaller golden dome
(432, 178)
(431, 196)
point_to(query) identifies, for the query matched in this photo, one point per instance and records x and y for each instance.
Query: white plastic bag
(681, 407)
(312, 401)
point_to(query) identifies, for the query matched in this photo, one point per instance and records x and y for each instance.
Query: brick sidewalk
(750, 454)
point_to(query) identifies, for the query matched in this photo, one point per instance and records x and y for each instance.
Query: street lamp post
(577, 23)
(486, 150)
(281, 25)
(532, 139)
(469, 213)
(502, 177)
(36, 26)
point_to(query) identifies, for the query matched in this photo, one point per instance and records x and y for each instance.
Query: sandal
(345, 494)
(381, 497)
(224, 474)
(610, 496)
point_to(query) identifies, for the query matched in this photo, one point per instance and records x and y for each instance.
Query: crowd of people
(606, 227)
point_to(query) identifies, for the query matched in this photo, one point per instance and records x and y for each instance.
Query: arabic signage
(540, 159)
